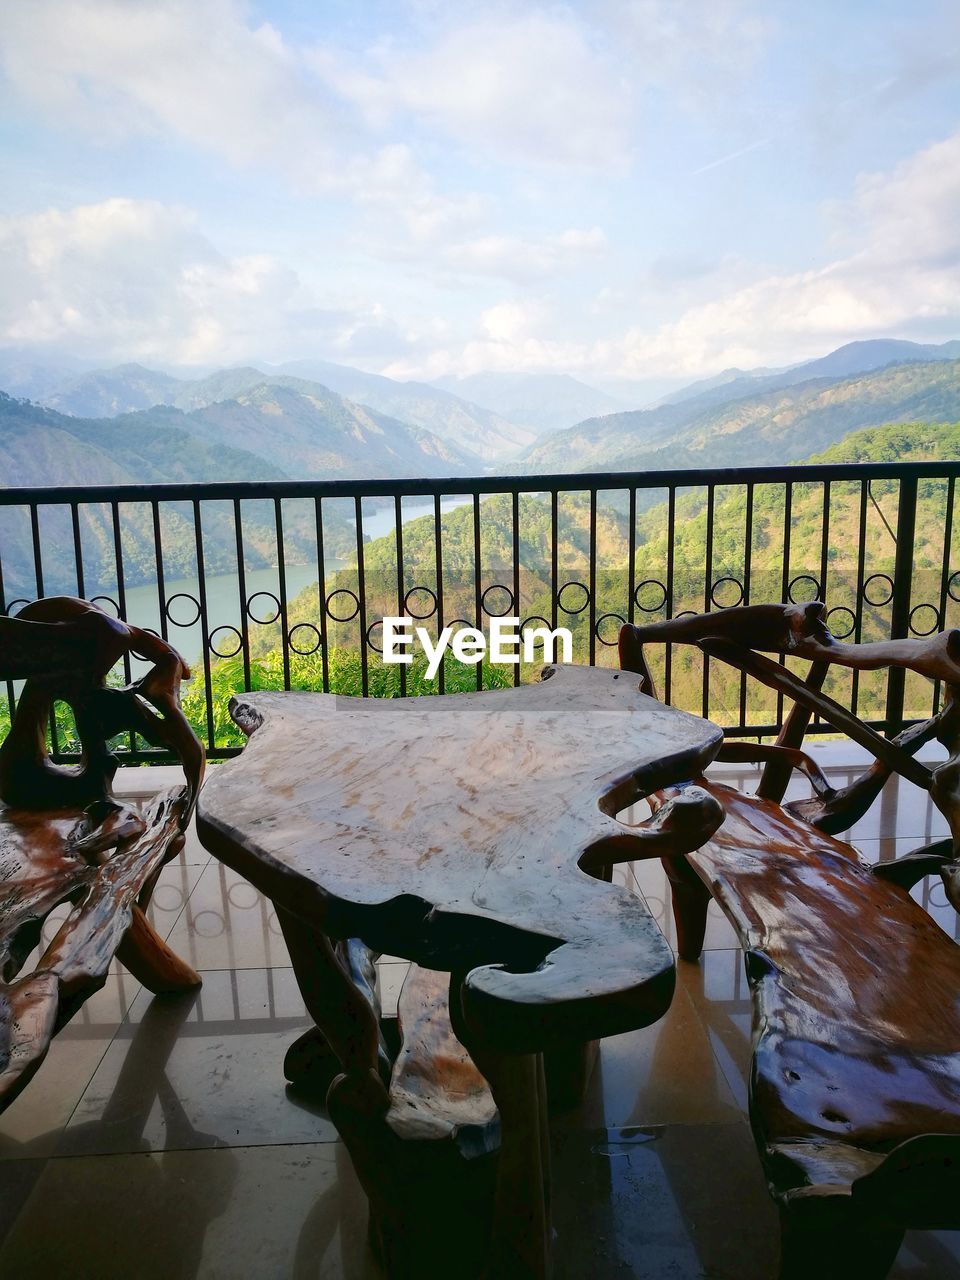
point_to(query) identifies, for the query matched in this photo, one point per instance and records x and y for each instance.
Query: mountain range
(320, 420)
(778, 417)
(470, 429)
(539, 401)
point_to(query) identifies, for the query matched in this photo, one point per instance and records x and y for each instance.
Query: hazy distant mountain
(774, 425)
(844, 362)
(39, 447)
(541, 401)
(106, 392)
(314, 434)
(475, 428)
(25, 374)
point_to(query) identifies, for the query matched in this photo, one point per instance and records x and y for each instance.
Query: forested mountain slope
(782, 425)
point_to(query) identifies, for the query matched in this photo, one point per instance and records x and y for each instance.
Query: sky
(619, 189)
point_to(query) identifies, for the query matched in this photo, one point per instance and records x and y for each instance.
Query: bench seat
(855, 1078)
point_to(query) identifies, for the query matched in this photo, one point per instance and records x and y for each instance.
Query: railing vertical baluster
(669, 602)
(825, 543)
(158, 555)
(631, 553)
(11, 693)
(282, 583)
(362, 598)
(823, 593)
(593, 576)
(121, 594)
(554, 557)
(785, 571)
(858, 604)
(401, 591)
(708, 594)
(747, 557)
(477, 579)
(38, 574)
(322, 594)
(77, 547)
(438, 551)
(515, 521)
(204, 622)
(37, 553)
(242, 592)
(902, 591)
(944, 578)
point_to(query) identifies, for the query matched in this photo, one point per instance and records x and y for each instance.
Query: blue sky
(634, 189)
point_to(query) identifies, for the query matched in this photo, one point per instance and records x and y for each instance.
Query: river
(223, 590)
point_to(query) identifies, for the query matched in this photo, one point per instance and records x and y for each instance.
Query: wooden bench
(64, 839)
(855, 1081)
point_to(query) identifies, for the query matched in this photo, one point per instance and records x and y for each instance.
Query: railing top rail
(455, 485)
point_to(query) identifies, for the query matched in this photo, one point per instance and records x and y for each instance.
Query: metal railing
(284, 584)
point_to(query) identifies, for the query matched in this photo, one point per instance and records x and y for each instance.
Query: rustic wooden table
(456, 832)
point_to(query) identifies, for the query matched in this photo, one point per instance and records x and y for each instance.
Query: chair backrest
(743, 636)
(64, 649)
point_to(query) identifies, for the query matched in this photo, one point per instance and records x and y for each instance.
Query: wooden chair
(855, 1083)
(65, 839)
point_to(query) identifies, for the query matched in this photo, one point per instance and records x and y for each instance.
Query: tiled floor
(159, 1141)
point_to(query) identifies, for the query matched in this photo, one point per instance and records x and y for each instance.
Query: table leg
(344, 1017)
(521, 1234)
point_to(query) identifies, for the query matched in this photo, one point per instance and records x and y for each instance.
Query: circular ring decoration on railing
(803, 577)
(218, 653)
(346, 617)
(303, 626)
(841, 635)
(599, 623)
(267, 595)
(110, 600)
(458, 624)
(566, 587)
(936, 619)
(182, 595)
(952, 581)
(529, 622)
(423, 591)
(878, 577)
(369, 636)
(733, 603)
(13, 603)
(650, 608)
(492, 613)
(686, 613)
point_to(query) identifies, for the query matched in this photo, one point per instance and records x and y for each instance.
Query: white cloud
(136, 280)
(901, 272)
(522, 85)
(520, 260)
(194, 71)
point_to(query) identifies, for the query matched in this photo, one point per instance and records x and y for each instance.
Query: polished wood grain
(465, 833)
(63, 836)
(453, 831)
(738, 635)
(855, 1084)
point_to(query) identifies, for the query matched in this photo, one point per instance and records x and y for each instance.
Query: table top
(448, 830)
